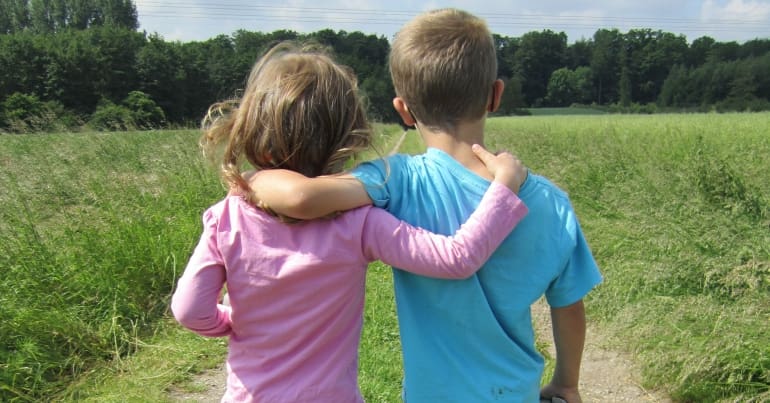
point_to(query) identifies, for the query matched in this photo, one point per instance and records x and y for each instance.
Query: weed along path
(606, 375)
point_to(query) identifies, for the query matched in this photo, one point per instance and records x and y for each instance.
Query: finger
(482, 153)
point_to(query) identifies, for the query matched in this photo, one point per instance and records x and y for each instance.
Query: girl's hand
(504, 166)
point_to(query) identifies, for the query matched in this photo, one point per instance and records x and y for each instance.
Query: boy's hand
(504, 166)
(569, 395)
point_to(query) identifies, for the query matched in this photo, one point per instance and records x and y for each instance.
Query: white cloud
(736, 10)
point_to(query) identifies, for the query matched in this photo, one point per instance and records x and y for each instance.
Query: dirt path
(606, 376)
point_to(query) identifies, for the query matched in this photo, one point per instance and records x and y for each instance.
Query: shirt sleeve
(579, 276)
(375, 176)
(195, 301)
(460, 256)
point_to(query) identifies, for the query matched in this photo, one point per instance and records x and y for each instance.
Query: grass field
(566, 111)
(96, 228)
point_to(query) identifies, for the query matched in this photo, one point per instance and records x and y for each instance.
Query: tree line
(69, 63)
(46, 16)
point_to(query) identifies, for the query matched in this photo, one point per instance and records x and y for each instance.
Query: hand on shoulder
(504, 166)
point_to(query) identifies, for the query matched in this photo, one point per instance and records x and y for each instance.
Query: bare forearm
(297, 196)
(569, 329)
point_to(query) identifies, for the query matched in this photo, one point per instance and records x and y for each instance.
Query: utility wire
(261, 13)
(239, 8)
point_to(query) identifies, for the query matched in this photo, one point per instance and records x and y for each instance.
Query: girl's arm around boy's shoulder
(419, 251)
(295, 195)
(459, 256)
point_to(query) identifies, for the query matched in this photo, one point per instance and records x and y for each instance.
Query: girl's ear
(406, 116)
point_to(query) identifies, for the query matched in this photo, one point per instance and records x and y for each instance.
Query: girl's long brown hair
(300, 111)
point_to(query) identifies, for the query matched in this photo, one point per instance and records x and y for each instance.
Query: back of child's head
(444, 64)
(300, 111)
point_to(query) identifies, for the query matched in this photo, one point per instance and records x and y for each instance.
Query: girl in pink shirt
(296, 289)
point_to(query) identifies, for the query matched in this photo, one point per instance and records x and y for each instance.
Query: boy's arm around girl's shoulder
(295, 195)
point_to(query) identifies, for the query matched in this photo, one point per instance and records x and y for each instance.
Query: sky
(194, 20)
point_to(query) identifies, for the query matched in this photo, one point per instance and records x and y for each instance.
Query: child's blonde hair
(443, 64)
(300, 111)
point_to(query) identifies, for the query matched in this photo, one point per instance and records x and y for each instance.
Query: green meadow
(96, 228)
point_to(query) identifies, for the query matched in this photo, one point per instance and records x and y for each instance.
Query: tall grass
(677, 211)
(95, 229)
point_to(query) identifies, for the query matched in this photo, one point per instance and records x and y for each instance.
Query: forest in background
(69, 64)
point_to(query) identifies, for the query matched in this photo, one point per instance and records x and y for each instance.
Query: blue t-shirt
(472, 340)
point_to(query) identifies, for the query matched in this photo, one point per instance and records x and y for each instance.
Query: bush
(748, 104)
(145, 113)
(22, 113)
(19, 110)
(111, 117)
(137, 111)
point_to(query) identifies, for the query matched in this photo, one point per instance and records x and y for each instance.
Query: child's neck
(458, 145)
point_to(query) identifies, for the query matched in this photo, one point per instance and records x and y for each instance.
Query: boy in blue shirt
(470, 340)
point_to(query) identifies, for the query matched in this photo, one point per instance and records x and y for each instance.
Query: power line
(239, 8)
(684, 27)
(263, 13)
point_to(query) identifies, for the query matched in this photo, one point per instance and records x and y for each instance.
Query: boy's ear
(497, 93)
(400, 106)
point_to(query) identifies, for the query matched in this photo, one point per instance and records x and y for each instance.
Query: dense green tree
(42, 16)
(248, 45)
(377, 91)
(650, 55)
(742, 86)
(199, 92)
(24, 60)
(759, 68)
(86, 66)
(365, 54)
(161, 75)
(579, 54)
(17, 15)
(512, 99)
(562, 87)
(625, 87)
(539, 54)
(732, 85)
(74, 58)
(698, 52)
(671, 94)
(226, 75)
(80, 13)
(6, 18)
(115, 13)
(567, 87)
(506, 51)
(605, 64)
(725, 51)
(46, 16)
(754, 48)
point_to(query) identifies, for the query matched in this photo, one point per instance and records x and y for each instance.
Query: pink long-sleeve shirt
(297, 291)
